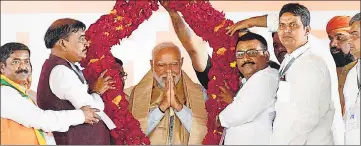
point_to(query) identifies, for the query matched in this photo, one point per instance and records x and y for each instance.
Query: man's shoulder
(268, 72)
(7, 91)
(128, 90)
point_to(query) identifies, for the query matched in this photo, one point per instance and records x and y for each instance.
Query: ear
(151, 64)
(267, 55)
(63, 44)
(2, 67)
(308, 30)
(181, 62)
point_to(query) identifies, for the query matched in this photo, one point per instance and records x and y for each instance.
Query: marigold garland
(211, 25)
(106, 32)
(125, 17)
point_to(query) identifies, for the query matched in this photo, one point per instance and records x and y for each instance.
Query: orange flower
(221, 51)
(119, 28)
(106, 33)
(214, 96)
(117, 99)
(214, 78)
(114, 11)
(118, 18)
(219, 26)
(233, 64)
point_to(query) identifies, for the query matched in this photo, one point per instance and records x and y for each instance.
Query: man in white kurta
(352, 88)
(271, 21)
(248, 119)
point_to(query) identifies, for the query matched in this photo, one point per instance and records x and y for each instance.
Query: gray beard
(162, 84)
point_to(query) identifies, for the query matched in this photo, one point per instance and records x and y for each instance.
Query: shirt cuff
(182, 114)
(157, 114)
(222, 121)
(77, 117)
(272, 22)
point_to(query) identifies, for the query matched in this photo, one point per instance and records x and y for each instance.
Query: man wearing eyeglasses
(119, 65)
(254, 102)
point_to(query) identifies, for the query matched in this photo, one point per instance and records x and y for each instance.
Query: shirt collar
(296, 53)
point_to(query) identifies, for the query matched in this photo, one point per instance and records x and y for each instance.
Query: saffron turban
(337, 22)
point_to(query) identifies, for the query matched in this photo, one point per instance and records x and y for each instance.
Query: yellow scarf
(40, 135)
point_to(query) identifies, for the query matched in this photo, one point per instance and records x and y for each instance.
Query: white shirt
(338, 126)
(66, 85)
(352, 134)
(21, 110)
(249, 117)
(304, 110)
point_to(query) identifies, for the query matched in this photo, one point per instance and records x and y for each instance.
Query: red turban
(337, 22)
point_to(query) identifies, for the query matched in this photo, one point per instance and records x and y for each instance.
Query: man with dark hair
(62, 84)
(353, 87)
(201, 60)
(316, 48)
(254, 102)
(22, 122)
(278, 48)
(119, 65)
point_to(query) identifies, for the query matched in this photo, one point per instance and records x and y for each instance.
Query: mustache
(247, 62)
(22, 71)
(334, 50)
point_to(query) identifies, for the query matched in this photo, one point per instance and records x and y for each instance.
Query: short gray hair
(355, 18)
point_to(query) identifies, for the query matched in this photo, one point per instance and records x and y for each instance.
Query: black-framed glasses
(124, 75)
(250, 53)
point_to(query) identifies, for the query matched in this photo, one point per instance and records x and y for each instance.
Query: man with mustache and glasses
(352, 87)
(167, 103)
(337, 29)
(22, 121)
(62, 84)
(271, 21)
(254, 102)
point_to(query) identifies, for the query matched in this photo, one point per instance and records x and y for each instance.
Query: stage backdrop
(27, 22)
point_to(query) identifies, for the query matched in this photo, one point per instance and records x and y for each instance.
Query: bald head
(166, 57)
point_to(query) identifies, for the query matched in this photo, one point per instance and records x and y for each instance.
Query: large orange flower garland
(211, 25)
(103, 34)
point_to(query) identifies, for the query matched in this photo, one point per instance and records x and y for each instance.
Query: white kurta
(66, 85)
(304, 109)
(338, 126)
(352, 134)
(249, 117)
(26, 113)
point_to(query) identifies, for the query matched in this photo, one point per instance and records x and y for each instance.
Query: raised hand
(164, 3)
(103, 84)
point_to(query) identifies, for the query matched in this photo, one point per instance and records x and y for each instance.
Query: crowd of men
(311, 97)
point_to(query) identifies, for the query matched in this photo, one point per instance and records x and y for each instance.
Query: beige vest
(145, 96)
(342, 73)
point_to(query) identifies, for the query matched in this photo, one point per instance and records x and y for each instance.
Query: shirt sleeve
(185, 116)
(65, 84)
(257, 95)
(24, 112)
(203, 76)
(272, 22)
(154, 117)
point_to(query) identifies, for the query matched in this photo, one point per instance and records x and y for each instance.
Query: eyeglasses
(124, 75)
(250, 53)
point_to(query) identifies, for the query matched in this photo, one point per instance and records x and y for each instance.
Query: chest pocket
(284, 92)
